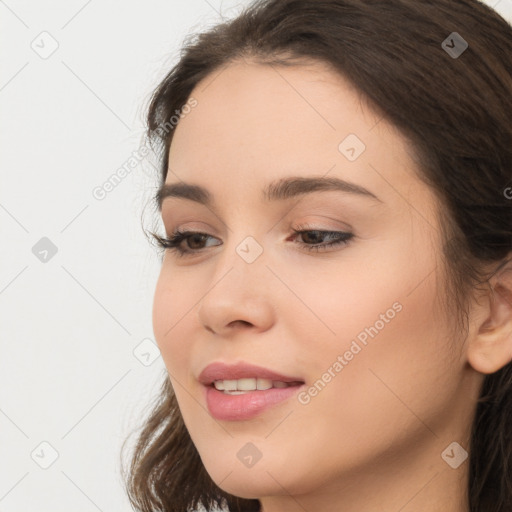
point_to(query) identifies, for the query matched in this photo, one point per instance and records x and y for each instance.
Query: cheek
(403, 374)
(385, 325)
(388, 396)
(348, 297)
(171, 305)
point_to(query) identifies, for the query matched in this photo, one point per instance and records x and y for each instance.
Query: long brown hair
(456, 112)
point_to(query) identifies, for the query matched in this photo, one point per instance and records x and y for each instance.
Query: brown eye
(315, 239)
(312, 239)
(195, 240)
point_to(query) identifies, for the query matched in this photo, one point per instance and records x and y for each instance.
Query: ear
(490, 348)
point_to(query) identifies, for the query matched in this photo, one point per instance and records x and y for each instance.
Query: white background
(73, 372)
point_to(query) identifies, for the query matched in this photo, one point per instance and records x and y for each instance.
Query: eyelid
(288, 226)
(173, 243)
(195, 226)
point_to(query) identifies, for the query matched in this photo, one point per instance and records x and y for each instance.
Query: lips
(228, 405)
(223, 371)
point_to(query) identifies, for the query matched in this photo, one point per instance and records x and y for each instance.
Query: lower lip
(223, 406)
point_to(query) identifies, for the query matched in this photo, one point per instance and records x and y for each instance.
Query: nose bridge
(238, 290)
(243, 259)
(244, 241)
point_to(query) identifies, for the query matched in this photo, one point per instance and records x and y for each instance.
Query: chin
(263, 479)
(248, 486)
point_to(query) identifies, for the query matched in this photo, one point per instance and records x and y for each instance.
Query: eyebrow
(284, 188)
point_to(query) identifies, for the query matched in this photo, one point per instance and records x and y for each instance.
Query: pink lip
(227, 407)
(223, 371)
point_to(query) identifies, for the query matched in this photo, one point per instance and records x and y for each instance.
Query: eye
(315, 236)
(195, 241)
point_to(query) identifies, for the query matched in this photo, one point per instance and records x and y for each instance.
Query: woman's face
(384, 388)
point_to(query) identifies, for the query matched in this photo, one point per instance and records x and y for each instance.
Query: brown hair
(455, 111)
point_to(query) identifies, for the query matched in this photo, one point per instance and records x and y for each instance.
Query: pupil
(317, 233)
(195, 238)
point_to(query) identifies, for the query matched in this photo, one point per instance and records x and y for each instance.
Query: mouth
(247, 385)
(242, 391)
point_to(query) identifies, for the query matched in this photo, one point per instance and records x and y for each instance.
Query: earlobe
(491, 346)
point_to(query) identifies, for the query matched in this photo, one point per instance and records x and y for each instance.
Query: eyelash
(173, 242)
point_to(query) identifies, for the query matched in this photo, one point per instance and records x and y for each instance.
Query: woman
(334, 307)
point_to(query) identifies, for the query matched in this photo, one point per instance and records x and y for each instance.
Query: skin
(372, 439)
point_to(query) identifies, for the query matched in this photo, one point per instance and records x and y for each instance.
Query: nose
(240, 297)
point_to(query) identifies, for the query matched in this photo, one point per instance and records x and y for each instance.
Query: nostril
(243, 322)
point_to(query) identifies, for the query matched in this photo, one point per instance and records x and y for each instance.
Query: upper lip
(222, 371)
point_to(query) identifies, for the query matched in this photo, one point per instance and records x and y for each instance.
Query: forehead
(254, 123)
(249, 107)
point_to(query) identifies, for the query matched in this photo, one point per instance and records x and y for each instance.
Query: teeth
(245, 384)
(239, 386)
(230, 385)
(262, 384)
